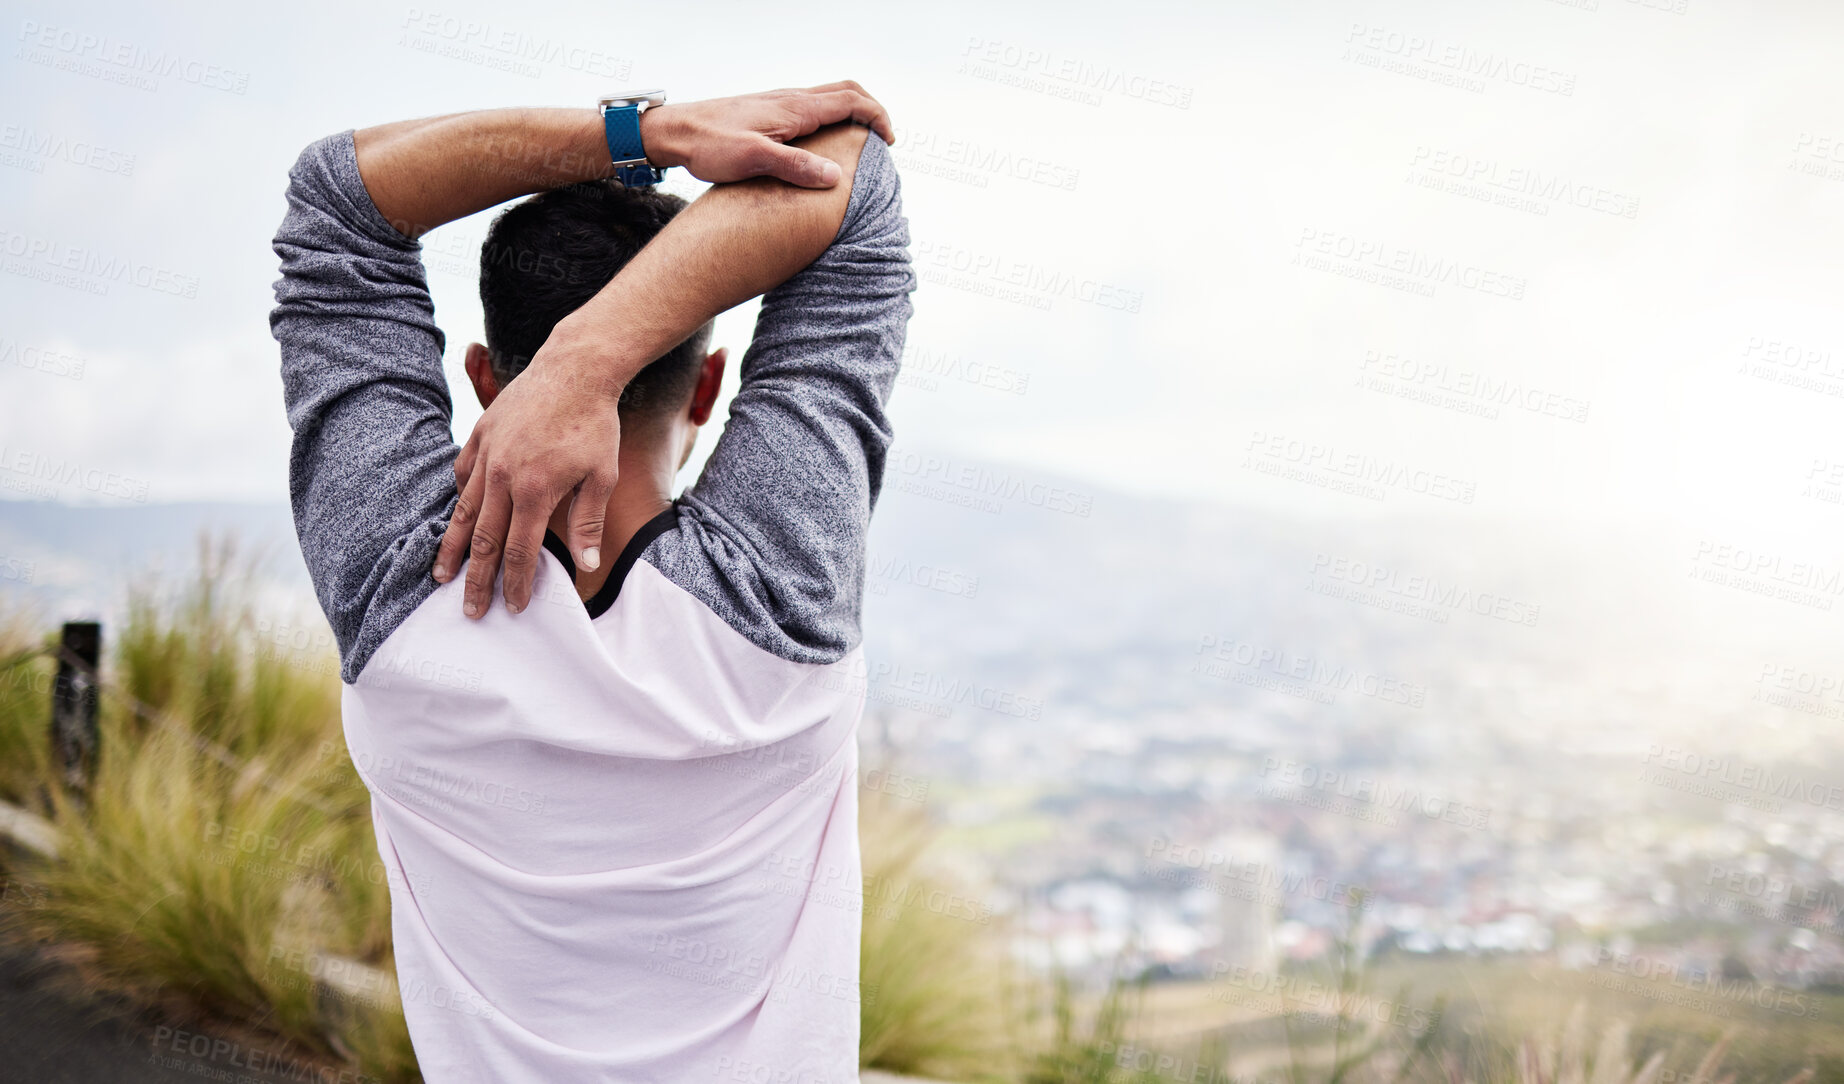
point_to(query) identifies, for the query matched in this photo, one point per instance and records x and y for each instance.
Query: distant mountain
(72, 561)
(1009, 596)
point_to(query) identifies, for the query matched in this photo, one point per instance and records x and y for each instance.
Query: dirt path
(50, 1034)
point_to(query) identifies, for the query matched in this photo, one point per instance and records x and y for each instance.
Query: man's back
(612, 827)
(617, 831)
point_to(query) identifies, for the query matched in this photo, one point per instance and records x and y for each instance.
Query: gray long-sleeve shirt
(772, 534)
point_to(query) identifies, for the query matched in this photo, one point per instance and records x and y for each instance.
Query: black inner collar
(598, 603)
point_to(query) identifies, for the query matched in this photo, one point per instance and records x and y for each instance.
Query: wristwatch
(621, 123)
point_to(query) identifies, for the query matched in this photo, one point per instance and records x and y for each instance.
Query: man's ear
(480, 374)
(710, 379)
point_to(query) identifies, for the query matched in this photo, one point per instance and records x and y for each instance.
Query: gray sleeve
(370, 473)
(772, 535)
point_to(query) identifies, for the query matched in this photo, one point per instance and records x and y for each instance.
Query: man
(618, 812)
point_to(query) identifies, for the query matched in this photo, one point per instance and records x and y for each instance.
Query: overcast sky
(1523, 257)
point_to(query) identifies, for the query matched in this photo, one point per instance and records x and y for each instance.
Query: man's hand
(733, 139)
(552, 436)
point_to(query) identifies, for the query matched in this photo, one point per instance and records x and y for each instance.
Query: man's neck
(642, 492)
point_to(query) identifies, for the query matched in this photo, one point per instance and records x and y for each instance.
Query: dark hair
(548, 255)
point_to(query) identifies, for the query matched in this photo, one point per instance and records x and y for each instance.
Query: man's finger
(869, 111)
(853, 104)
(865, 110)
(464, 462)
(793, 165)
(485, 547)
(460, 532)
(588, 516)
(524, 542)
(843, 84)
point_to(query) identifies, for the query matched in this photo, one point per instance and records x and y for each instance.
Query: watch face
(651, 97)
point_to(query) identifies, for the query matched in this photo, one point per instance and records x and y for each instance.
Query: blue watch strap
(639, 176)
(621, 126)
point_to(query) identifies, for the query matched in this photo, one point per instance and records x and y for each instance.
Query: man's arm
(427, 172)
(371, 469)
(773, 533)
(733, 243)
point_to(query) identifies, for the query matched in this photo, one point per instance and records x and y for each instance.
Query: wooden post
(74, 737)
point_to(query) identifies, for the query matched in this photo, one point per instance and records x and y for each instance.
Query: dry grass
(219, 842)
